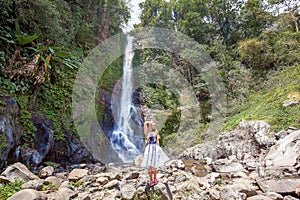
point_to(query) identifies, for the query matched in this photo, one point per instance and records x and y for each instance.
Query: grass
(267, 103)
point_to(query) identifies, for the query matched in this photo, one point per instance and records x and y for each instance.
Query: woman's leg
(150, 173)
(154, 174)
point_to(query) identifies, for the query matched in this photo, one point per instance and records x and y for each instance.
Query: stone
(77, 174)
(102, 180)
(259, 197)
(18, 171)
(46, 171)
(227, 168)
(133, 175)
(138, 160)
(214, 194)
(180, 164)
(33, 184)
(163, 191)
(3, 179)
(274, 195)
(28, 194)
(67, 193)
(286, 151)
(128, 191)
(54, 180)
(281, 186)
(111, 184)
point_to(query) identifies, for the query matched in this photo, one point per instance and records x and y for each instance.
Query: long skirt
(154, 156)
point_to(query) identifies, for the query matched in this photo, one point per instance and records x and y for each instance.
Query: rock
(214, 194)
(274, 195)
(138, 160)
(286, 151)
(128, 191)
(28, 194)
(133, 175)
(227, 168)
(259, 197)
(281, 134)
(77, 174)
(180, 164)
(290, 198)
(7, 134)
(54, 180)
(290, 103)
(19, 171)
(43, 138)
(110, 175)
(111, 184)
(163, 191)
(33, 184)
(283, 186)
(228, 193)
(67, 193)
(102, 180)
(46, 171)
(3, 179)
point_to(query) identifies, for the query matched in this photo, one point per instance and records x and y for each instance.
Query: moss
(267, 103)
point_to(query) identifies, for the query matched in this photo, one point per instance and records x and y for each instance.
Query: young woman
(154, 157)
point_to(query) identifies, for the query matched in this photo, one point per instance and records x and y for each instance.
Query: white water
(123, 139)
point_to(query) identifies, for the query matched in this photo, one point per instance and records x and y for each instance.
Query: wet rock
(7, 135)
(43, 139)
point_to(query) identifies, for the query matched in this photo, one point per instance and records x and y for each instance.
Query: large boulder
(19, 171)
(286, 152)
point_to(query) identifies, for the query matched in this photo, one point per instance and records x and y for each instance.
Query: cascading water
(124, 140)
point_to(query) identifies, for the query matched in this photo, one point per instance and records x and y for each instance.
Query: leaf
(7, 40)
(51, 50)
(26, 39)
(18, 30)
(62, 54)
(46, 62)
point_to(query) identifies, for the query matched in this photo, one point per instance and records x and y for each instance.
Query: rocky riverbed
(250, 162)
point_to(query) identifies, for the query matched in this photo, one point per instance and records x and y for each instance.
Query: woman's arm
(157, 137)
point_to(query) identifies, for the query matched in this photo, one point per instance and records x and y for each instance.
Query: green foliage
(49, 186)
(267, 103)
(76, 184)
(7, 190)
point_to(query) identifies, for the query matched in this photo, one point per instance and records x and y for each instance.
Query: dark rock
(7, 135)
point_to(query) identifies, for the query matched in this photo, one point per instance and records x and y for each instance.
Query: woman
(154, 157)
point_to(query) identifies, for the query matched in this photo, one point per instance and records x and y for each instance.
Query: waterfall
(124, 140)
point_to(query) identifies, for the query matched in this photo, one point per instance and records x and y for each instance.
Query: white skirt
(154, 156)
